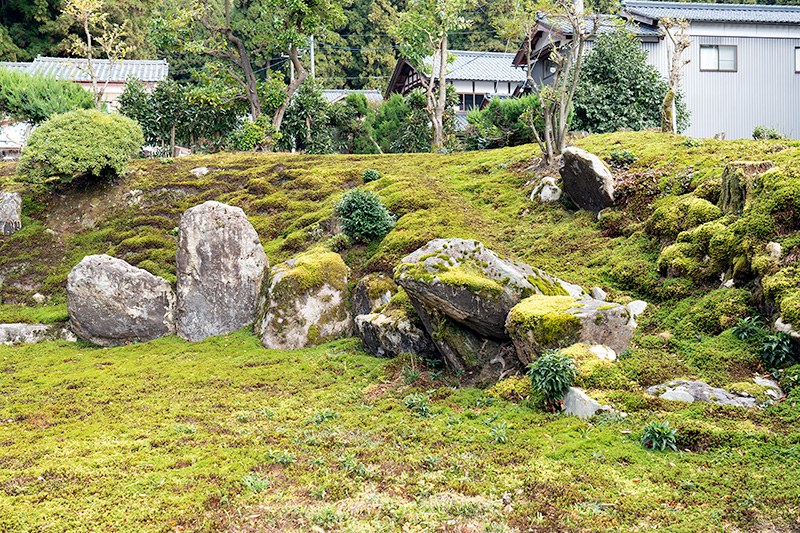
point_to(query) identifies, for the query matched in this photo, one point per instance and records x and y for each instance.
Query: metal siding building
(763, 90)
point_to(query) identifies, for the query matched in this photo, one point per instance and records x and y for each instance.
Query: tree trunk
(172, 141)
(437, 117)
(291, 89)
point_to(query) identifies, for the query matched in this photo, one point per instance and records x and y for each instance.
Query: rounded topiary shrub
(80, 143)
(363, 215)
(370, 174)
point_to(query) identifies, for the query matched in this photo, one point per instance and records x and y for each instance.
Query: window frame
(718, 46)
(797, 59)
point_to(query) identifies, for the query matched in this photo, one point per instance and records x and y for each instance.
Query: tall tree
(281, 26)
(676, 32)
(100, 33)
(423, 34)
(566, 55)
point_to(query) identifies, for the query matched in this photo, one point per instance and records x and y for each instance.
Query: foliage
(422, 32)
(36, 98)
(80, 142)
(351, 123)
(691, 142)
(659, 436)
(617, 89)
(553, 374)
(387, 122)
(370, 174)
(306, 125)
(364, 216)
(418, 404)
(762, 133)
(252, 135)
(748, 328)
(501, 123)
(778, 350)
(415, 131)
(622, 157)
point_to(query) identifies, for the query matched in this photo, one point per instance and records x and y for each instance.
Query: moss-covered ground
(226, 435)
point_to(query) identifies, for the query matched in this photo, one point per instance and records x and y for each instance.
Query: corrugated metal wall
(764, 91)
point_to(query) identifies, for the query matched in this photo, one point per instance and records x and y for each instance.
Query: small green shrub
(339, 242)
(622, 157)
(778, 350)
(748, 328)
(418, 404)
(256, 482)
(692, 143)
(659, 436)
(790, 378)
(762, 133)
(364, 216)
(370, 174)
(553, 374)
(80, 143)
(254, 135)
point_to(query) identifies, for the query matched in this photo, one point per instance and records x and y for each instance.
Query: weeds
(659, 436)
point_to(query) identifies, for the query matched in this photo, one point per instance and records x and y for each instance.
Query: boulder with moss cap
(220, 266)
(112, 303)
(304, 302)
(471, 284)
(543, 322)
(373, 291)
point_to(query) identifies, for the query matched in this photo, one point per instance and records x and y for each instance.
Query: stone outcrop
(544, 322)
(112, 303)
(587, 180)
(389, 335)
(304, 302)
(10, 212)
(373, 291)
(737, 184)
(220, 268)
(760, 392)
(32, 333)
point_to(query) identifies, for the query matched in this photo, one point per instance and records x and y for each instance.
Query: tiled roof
(608, 24)
(74, 69)
(334, 95)
(699, 12)
(481, 66)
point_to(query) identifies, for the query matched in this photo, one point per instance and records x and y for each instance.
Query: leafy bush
(306, 125)
(37, 98)
(257, 134)
(370, 174)
(762, 133)
(553, 374)
(658, 436)
(617, 88)
(748, 328)
(502, 124)
(364, 217)
(622, 157)
(80, 143)
(778, 350)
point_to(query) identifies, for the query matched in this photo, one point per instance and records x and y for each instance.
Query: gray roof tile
(608, 23)
(71, 69)
(482, 66)
(700, 12)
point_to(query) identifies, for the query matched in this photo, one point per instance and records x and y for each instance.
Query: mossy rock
(473, 285)
(542, 322)
(371, 292)
(304, 302)
(737, 184)
(674, 216)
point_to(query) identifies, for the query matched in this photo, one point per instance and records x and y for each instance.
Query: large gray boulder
(587, 180)
(544, 322)
(389, 335)
(471, 284)
(112, 303)
(10, 211)
(220, 268)
(304, 302)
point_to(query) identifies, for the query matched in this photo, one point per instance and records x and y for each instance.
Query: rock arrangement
(220, 267)
(10, 212)
(760, 392)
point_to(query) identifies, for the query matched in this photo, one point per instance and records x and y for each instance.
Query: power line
(358, 49)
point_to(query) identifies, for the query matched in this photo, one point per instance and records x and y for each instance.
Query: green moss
(471, 277)
(672, 217)
(513, 389)
(546, 287)
(545, 317)
(756, 391)
(312, 269)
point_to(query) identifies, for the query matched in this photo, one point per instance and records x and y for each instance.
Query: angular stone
(547, 191)
(390, 335)
(598, 293)
(304, 302)
(472, 284)
(774, 250)
(542, 322)
(112, 303)
(10, 212)
(373, 291)
(577, 403)
(220, 268)
(737, 184)
(587, 180)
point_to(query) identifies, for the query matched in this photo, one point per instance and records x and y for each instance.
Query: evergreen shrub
(364, 216)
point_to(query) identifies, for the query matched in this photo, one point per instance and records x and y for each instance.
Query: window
(797, 59)
(718, 58)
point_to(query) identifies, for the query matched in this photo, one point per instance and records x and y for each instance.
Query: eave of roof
(703, 12)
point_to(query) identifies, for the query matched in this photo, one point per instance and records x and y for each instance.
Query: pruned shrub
(363, 215)
(370, 174)
(80, 143)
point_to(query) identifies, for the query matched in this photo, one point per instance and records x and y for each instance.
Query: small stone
(587, 180)
(39, 298)
(677, 395)
(599, 294)
(547, 191)
(199, 171)
(10, 211)
(577, 403)
(603, 352)
(775, 251)
(636, 307)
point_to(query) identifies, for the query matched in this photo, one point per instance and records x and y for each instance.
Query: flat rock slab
(10, 212)
(760, 393)
(112, 303)
(220, 268)
(389, 336)
(31, 333)
(587, 180)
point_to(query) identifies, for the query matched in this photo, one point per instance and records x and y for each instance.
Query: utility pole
(311, 47)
